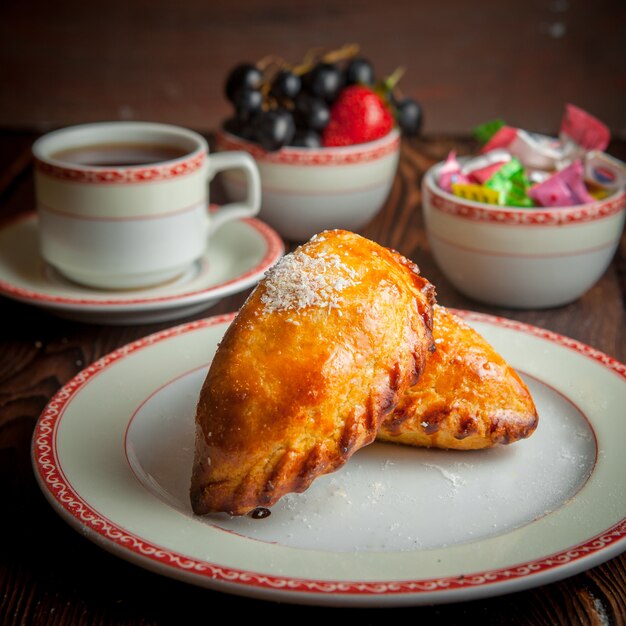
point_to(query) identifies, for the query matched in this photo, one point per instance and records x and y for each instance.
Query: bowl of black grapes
(325, 134)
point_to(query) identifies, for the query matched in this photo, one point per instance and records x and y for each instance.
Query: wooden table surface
(50, 574)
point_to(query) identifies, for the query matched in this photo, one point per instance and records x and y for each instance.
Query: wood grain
(50, 574)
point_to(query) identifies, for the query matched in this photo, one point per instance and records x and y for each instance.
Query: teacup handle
(251, 204)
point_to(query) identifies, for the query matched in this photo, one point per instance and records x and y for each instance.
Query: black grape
(360, 71)
(243, 76)
(324, 81)
(286, 85)
(306, 139)
(311, 111)
(274, 129)
(409, 116)
(247, 103)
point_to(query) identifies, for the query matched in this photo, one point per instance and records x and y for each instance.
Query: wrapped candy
(518, 168)
(605, 171)
(565, 188)
(484, 132)
(583, 130)
(533, 150)
(450, 173)
(477, 193)
(511, 184)
(483, 167)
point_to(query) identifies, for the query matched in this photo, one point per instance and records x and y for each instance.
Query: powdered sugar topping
(300, 280)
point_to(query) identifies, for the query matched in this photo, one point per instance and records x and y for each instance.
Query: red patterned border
(359, 153)
(573, 344)
(52, 478)
(528, 217)
(275, 249)
(122, 176)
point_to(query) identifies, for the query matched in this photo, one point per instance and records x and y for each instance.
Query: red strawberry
(358, 115)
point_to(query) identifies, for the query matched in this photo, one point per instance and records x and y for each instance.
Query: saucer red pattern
(234, 261)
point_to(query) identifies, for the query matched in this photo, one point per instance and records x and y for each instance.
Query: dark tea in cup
(125, 205)
(119, 154)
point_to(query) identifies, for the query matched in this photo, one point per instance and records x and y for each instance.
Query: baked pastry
(317, 356)
(467, 398)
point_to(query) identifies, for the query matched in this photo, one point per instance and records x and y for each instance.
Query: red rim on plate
(80, 514)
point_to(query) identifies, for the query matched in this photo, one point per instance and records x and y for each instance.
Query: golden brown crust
(467, 398)
(316, 358)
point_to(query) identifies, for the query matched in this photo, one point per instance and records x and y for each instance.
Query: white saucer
(235, 260)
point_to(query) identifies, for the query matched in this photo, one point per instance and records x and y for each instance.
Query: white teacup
(124, 205)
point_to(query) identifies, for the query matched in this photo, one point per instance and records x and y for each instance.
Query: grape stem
(271, 64)
(269, 60)
(394, 78)
(346, 51)
(311, 58)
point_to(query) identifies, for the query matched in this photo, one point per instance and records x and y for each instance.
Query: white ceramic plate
(395, 526)
(236, 259)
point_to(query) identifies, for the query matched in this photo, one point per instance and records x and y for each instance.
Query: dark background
(70, 61)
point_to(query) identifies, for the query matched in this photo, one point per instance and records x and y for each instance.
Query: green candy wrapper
(511, 183)
(484, 132)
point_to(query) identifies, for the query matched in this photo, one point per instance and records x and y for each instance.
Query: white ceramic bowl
(521, 258)
(307, 190)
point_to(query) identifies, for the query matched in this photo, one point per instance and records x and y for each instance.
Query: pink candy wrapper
(503, 138)
(534, 151)
(583, 129)
(530, 169)
(565, 188)
(481, 168)
(580, 132)
(450, 173)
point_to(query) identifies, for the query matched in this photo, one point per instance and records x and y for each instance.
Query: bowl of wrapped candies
(531, 221)
(325, 133)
